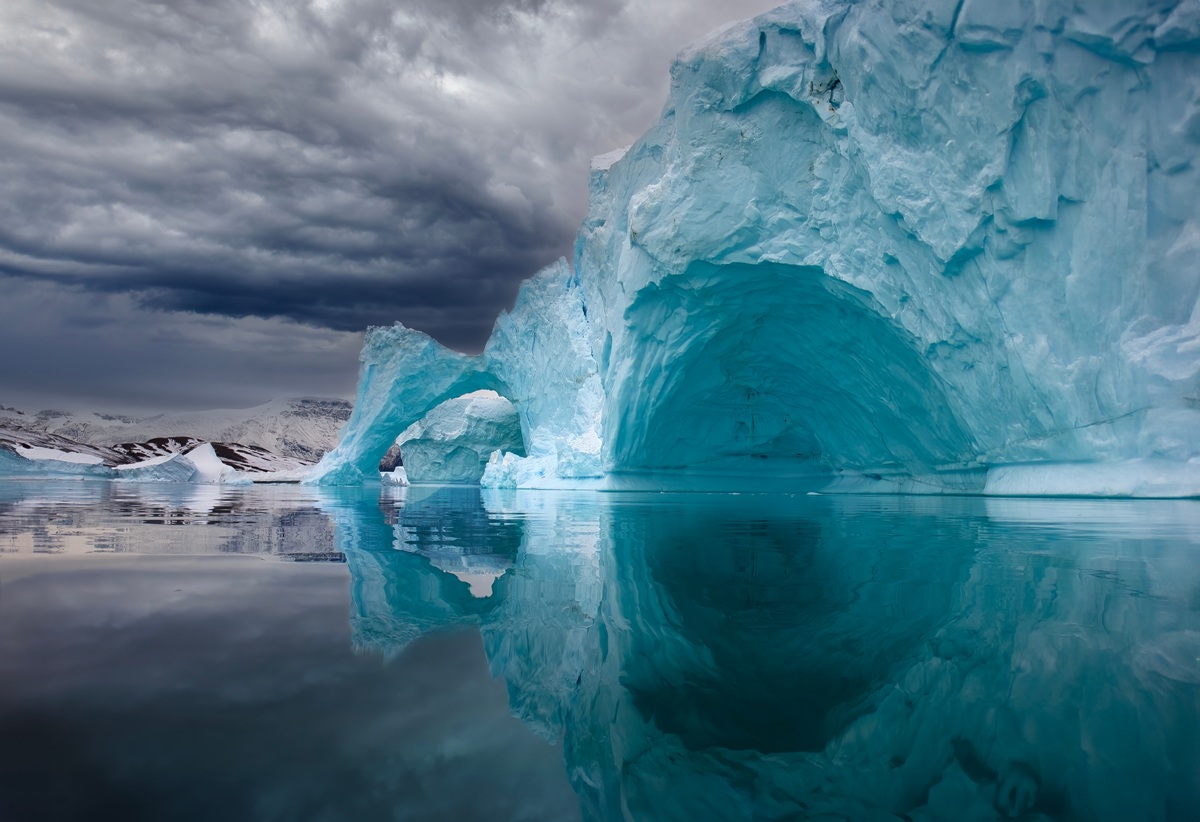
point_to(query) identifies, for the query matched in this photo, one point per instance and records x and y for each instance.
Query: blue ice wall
(919, 246)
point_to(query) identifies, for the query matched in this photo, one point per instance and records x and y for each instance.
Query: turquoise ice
(921, 246)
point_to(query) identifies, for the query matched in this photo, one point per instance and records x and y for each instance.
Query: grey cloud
(329, 163)
(73, 348)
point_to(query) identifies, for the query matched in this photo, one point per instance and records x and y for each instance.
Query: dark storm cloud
(107, 352)
(173, 153)
(335, 163)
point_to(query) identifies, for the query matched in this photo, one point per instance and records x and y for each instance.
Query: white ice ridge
(34, 452)
(199, 465)
(922, 246)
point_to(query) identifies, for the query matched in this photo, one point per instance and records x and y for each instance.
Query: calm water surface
(284, 653)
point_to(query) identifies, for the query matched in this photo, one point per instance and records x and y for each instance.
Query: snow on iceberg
(42, 463)
(199, 465)
(57, 455)
(164, 468)
(926, 247)
(27, 453)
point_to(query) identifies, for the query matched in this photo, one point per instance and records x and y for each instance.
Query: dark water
(301, 654)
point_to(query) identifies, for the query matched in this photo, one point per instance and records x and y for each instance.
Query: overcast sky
(204, 202)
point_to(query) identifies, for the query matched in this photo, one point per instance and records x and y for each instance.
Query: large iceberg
(928, 246)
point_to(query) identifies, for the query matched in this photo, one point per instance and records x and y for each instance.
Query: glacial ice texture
(919, 246)
(455, 440)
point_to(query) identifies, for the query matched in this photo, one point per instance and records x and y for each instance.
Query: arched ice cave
(775, 371)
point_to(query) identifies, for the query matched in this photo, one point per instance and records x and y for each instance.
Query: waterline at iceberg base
(928, 247)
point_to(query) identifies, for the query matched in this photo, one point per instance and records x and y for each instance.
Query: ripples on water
(691, 657)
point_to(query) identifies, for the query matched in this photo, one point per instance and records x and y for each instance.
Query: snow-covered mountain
(249, 458)
(274, 442)
(38, 445)
(303, 428)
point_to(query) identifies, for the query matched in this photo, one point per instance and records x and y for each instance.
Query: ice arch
(773, 371)
(403, 375)
(538, 358)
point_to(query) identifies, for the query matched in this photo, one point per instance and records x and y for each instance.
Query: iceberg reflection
(767, 657)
